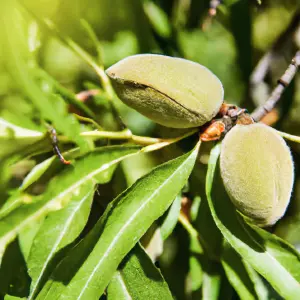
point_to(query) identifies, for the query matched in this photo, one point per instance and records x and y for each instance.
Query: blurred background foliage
(231, 45)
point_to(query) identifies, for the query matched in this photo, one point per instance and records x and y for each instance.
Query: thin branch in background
(88, 120)
(264, 65)
(213, 5)
(212, 11)
(91, 33)
(262, 68)
(283, 82)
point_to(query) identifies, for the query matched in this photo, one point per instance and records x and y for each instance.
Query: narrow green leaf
(124, 222)
(97, 167)
(14, 201)
(270, 256)
(67, 95)
(237, 273)
(195, 208)
(59, 230)
(117, 289)
(13, 137)
(36, 173)
(138, 278)
(158, 19)
(171, 218)
(27, 235)
(259, 286)
(211, 282)
(195, 275)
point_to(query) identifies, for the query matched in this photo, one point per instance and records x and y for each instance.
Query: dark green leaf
(14, 279)
(138, 278)
(237, 273)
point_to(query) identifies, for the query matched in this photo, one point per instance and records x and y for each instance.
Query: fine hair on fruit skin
(258, 173)
(173, 92)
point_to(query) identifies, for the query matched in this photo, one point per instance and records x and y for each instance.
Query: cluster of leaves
(95, 228)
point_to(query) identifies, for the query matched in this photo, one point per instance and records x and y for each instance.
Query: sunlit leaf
(14, 201)
(27, 235)
(51, 107)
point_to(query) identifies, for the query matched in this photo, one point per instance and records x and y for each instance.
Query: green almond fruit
(257, 170)
(173, 92)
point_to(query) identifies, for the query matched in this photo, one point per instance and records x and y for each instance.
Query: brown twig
(84, 96)
(213, 5)
(54, 142)
(283, 82)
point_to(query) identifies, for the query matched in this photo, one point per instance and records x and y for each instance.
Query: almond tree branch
(283, 82)
(259, 89)
(213, 5)
(263, 65)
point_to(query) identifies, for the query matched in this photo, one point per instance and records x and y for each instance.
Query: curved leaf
(259, 286)
(135, 273)
(124, 222)
(270, 256)
(97, 167)
(13, 137)
(14, 201)
(36, 173)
